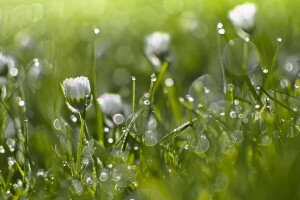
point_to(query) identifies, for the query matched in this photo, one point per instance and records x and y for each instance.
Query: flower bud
(157, 48)
(243, 18)
(77, 92)
(111, 104)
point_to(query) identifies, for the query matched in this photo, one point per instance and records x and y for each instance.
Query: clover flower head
(243, 16)
(77, 92)
(157, 47)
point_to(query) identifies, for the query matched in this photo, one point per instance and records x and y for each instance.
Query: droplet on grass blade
(77, 186)
(266, 140)
(204, 90)
(237, 136)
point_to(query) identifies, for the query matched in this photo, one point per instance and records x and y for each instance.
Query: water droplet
(189, 98)
(219, 25)
(11, 142)
(21, 103)
(106, 129)
(266, 140)
(110, 140)
(221, 31)
(221, 182)
(247, 39)
(205, 90)
(103, 176)
(73, 118)
(284, 83)
(146, 102)
(279, 39)
(13, 71)
(153, 77)
(89, 180)
(118, 119)
(237, 136)
(136, 148)
(19, 183)
(265, 71)
(230, 87)
(78, 189)
(236, 102)
(88, 151)
(10, 161)
(233, 114)
(150, 138)
(2, 150)
(110, 166)
(116, 175)
(133, 78)
(257, 106)
(169, 82)
(96, 31)
(146, 95)
(181, 99)
(57, 124)
(203, 144)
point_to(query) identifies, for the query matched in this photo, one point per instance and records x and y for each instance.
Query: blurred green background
(60, 33)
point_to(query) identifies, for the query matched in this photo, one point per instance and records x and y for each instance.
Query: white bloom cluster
(77, 92)
(157, 47)
(243, 16)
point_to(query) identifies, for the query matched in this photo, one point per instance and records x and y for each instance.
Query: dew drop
(88, 151)
(150, 138)
(236, 102)
(233, 114)
(265, 71)
(21, 103)
(13, 71)
(10, 161)
(279, 39)
(237, 136)
(106, 129)
(169, 82)
(133, 78)
(203, 144)
(78, 189)
(146, 102)
(110, 140)
(2, 150)
(103, 176)
(219, 25)
(73, 118)
(96, 31)
(57, 124)
(257, 106)
(221, 31)
(266, 140)
(118, 119)
(153, 77)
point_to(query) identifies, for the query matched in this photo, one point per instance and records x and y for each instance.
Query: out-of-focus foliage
(49, 41)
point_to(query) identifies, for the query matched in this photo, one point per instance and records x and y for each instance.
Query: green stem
(245, 75)
(98, 112)
(79, 147)
(161, 76)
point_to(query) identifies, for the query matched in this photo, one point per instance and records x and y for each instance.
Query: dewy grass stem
(161, 75)
(98, 112)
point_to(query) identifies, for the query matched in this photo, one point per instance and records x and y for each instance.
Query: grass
(209, 124)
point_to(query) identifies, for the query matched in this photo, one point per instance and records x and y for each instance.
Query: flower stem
(80, 140)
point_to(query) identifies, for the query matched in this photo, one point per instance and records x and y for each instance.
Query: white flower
(111, 104)
(77, 92)
(157, 47)
(243, 16)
